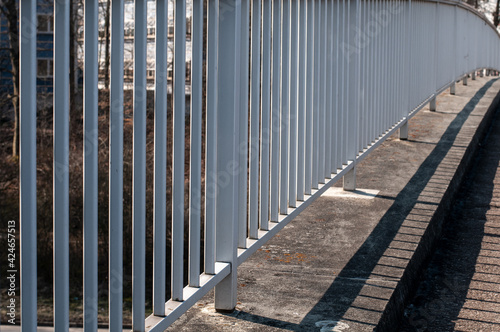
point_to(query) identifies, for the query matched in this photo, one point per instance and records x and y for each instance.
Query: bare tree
(9, 10)
(473, 3)
(107, 40)
(496, 19)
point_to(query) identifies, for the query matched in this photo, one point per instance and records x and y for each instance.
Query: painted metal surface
(61, 166)
(90, 160)
(287, 98)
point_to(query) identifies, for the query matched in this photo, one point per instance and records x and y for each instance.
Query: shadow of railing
(455, 289)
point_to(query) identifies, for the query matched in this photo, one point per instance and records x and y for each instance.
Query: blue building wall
(45, 39)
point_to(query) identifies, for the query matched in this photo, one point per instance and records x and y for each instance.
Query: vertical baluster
(371, 82)
(275, 110)
(348, 79)
(90, 166)
(27, 162)
(195, 164)
(328, 89)
(378, 79)
(61, 165)
(423, 72)
(243, 126)
(366, 107)
(372, 104)
(317, 94)
(139, 168)
(211, 135)
(294, 23)
(359, 82)
(382, 82)
(409, 37)
(178, 158)
(343, 83)
(363, 129)
(322, 92)
(285, 106)
(115, 171)
(302, 34)
(265, 138)
(254, 121)
(336, 88)
(403, 75)
(401, 18)
(435, 53)
(160, 162)
(309, 96)
(390, 72)
(455, 43)
(386, 78)
(354, 81)
(392, 68)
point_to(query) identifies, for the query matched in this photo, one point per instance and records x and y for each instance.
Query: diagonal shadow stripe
(371, 251)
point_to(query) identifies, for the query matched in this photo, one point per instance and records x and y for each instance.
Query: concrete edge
(405, 290)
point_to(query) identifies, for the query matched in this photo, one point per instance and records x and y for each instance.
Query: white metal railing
(329, 80)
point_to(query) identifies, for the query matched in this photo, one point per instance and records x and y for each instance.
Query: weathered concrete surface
(339, 265)
(461, 287)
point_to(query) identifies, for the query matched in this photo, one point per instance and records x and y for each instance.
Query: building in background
(45, 62)
(128, 46)
(45, 46)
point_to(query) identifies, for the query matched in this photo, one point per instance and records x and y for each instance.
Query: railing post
(452, 88)
(403, 131)
(350, 179)
(432, 105)
(227, 154)
(465, 79)
(473, 75)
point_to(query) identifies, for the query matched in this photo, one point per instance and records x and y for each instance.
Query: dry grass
(9, 205)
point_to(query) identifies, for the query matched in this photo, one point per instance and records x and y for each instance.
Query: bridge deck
(347, 262)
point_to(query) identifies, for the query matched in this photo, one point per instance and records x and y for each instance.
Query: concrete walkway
(461, 287)
(349, 263)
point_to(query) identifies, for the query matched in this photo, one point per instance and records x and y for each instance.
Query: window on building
(128, 73)
(151, 32)
(45, 23)
(188, 71)
(45, 68)
(188, 28)
(129, 32)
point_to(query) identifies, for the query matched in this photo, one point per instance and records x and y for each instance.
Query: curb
(404, 292)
